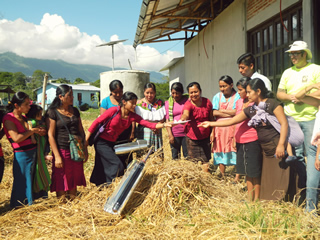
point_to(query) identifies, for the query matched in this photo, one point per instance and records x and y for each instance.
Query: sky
(70, 30)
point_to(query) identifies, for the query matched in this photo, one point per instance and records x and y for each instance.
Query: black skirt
(249, 159)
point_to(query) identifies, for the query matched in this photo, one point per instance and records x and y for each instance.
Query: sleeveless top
(26, 144)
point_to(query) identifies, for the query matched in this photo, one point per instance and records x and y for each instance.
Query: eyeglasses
(295, 54)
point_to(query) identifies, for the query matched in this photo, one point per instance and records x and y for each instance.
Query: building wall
(214, 51)
(51, 94)
(272, 9)
(254, 7)
(86, 98)
(177, 71)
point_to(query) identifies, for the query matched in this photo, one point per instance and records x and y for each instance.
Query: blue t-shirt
(106, 103)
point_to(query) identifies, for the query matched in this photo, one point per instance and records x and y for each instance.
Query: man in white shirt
(246, 64)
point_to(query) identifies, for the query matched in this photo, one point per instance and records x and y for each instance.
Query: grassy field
(174, 200)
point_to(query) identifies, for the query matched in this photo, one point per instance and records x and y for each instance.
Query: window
(268, 43)
(79, 96)
(92, 97)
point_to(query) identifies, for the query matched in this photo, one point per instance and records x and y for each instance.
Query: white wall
(177, 71)
(225, 41)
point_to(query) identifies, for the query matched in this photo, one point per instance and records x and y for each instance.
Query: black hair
(246, 59)
(35, 109)
(150, 85)
(256, 84)
(227, 79)
(114, 84)
(18, 98)
(194, 84)
(177, 86)
(127, 96)
(243, 82)
(62, 90)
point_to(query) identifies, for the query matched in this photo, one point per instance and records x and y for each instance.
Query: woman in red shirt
(198, 109)
(107, 164)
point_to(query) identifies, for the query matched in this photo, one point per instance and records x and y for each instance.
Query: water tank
(132, 81)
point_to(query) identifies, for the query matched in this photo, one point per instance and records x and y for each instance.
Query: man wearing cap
(293, 80)
(246, 65)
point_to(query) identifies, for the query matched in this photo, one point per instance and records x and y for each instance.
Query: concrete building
(82, 94)
(217, 32)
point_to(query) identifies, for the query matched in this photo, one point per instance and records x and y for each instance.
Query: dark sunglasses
(296, 54)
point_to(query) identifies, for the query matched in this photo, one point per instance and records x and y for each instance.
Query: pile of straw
(174, 200)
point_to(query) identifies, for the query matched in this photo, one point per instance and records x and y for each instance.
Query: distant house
(82, 94)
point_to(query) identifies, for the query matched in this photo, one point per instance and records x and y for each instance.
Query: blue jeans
(302, 151)
(176, 147)
(313, 180)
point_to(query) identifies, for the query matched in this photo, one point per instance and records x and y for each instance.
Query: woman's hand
(280, 151)
(316, 140)
(211, 137)
(317, 164)
(86, 155)
(171, 139)
(58, 163)
(205, 124)
(131, 136)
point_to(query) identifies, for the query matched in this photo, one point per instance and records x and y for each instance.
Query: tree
(78, 80)
(62, 80)
(163, 89)
(6, 78)
(19, 81)
(96, 83)
(36, 82)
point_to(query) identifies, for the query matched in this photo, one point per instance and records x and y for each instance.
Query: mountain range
(11, 62)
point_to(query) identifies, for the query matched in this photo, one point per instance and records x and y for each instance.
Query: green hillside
(10, 62)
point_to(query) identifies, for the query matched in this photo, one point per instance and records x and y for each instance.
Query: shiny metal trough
(130, 147)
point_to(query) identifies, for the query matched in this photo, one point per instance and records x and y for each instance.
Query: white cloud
(54, 39)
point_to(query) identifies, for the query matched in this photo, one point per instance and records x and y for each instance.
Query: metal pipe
(130, 147)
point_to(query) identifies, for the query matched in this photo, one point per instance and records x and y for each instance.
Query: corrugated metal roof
(171, 63)
(76, 87)
(159, 20)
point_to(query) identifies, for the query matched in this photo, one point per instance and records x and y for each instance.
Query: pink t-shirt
(177, 130)
(117, 125)
(244, 133)
(198, 115)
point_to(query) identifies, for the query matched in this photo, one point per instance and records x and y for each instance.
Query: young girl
(274, 180)
(249, 153)
(41, 181)
(18, 133)
(116, 93)
(107, 164)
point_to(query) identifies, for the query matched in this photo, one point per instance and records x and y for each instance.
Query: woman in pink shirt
(249, 153)
(107, 164)
(174, 107)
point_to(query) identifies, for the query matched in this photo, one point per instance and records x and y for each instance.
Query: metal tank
(132, 80)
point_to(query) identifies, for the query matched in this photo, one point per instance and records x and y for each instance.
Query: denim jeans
(302, 151)
(176, 147)
(313, 180)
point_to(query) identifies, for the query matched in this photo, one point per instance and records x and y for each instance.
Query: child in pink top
(249, 153)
